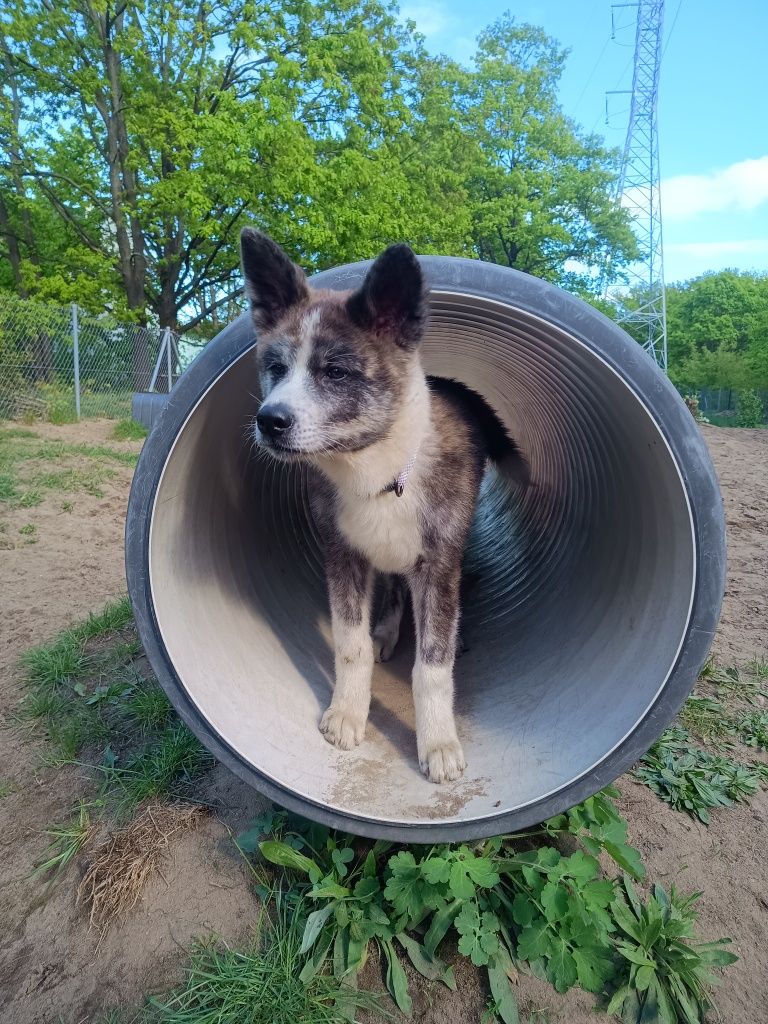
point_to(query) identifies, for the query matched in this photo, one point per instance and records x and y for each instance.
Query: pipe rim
(622, 355)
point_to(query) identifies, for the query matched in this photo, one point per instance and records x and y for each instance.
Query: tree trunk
(42, 355)
(12, 241)
(123, 191)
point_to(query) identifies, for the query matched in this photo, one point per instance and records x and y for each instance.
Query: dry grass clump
(120, 868)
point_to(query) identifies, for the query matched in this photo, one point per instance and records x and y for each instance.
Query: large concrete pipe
(591, 599)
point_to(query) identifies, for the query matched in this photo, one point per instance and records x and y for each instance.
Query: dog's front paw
(443, 762)
(342, 727)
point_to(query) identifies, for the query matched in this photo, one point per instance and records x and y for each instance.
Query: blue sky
(713, 108)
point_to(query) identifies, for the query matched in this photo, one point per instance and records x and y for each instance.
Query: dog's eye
(335, 373)
(277, 370)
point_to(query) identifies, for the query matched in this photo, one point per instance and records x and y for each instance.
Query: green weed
(735, 686)
(29, 530)
(23, 481)
(149, 708)
(74, 480)
(665, 976)
(753, 729)
(692, 780)
(509, 906)
(129, 430)
(29, 499)
(67, 506)
(6, 788)
(7, 487)
(706, 717)
(13, 433)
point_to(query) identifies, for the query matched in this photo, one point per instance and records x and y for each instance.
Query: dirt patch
(52, 967)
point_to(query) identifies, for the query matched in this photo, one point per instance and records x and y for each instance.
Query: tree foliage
(137, 137)
(718, 331)
(542, 194)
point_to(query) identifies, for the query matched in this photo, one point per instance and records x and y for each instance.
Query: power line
(672, 28)
(591, 75)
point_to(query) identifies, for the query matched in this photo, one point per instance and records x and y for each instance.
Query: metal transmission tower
(639, 188)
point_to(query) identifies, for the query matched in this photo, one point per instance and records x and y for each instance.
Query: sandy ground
(52, 968)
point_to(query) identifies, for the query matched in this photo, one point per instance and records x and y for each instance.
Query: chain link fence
(61, 364)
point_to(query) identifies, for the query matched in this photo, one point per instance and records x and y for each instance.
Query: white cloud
(683, 260)
(741, 186)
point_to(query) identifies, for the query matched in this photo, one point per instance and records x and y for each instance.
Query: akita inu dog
(399, 460)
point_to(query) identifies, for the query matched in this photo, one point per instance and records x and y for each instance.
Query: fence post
(76, 353)
(169, 357)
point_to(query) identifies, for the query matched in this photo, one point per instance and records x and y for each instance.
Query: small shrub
(749, 409)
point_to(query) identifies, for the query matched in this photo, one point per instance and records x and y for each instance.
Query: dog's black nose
(274, 420)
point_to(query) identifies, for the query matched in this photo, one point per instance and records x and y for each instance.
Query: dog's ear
(272, 282)
(392, 299)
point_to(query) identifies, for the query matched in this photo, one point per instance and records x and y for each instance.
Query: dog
(398, 458)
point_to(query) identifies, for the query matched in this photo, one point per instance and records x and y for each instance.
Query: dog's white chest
(385, 529)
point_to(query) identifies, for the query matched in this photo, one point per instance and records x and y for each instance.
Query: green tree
(137, 137)
(717, 328)
(543, 195)
(157, 129)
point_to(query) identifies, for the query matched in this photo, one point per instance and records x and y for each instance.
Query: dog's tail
(500, 448)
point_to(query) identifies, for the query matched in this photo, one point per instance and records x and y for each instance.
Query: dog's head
(333, 366)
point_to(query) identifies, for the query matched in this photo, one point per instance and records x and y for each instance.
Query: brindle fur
(344, 392)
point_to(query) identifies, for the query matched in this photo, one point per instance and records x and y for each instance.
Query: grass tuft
(758, 667)
(129, 430)
(706, 717)
(165, 765)
(98, 709)
(260, 984)
(49, 666)
(67, 840)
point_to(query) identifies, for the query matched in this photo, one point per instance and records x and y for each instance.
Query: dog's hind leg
(386, 632)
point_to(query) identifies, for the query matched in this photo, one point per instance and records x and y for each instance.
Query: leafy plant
(505, 906)
(753, 730)
(508, 908)
(692, 780)
(665, 976)
(599, 827)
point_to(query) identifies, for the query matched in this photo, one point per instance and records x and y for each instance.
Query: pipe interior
(577, 595)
